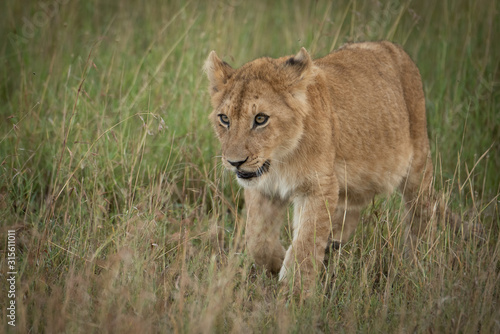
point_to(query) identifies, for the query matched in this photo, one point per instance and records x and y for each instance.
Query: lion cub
(326, 134)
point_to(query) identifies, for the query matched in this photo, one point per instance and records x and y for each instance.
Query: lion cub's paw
(283, 273)
(301, 278)
(287, 268)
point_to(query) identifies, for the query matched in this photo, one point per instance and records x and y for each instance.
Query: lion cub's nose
(237, 164)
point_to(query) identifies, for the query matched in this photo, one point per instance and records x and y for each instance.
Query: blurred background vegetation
(127, 223)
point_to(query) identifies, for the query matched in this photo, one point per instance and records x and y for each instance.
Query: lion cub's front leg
(312, 226)
(265, 216)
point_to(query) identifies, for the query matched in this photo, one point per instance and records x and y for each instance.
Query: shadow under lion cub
(328, 135)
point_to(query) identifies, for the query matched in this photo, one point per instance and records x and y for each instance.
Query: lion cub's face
(258, 112)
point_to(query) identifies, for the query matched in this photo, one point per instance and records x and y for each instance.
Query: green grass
(127, 223)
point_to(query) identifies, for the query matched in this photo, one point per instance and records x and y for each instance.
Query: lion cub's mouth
(249, 175)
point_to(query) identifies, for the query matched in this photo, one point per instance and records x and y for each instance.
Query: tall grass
(126, 222)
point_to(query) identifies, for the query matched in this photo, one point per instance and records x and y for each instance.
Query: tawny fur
(340, 130)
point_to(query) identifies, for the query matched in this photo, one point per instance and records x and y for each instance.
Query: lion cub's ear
(218, 72)
(299, 71)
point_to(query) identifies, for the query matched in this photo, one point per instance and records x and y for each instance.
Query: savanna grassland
(125, 220)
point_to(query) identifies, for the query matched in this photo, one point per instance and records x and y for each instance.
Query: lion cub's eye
(224, 119)
(261, 119)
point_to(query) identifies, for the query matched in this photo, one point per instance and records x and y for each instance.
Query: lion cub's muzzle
(250, 175)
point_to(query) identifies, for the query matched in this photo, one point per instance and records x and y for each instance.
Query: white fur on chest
(278, 183)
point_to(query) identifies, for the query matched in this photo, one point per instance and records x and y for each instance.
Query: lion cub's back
(374, 141)
(367, 92)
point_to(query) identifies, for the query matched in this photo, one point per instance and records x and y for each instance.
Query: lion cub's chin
(251, 182)
(248, 179)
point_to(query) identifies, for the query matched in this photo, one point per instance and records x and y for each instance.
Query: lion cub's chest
(278, 183)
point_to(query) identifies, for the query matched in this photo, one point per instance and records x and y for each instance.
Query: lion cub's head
(259, 111)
